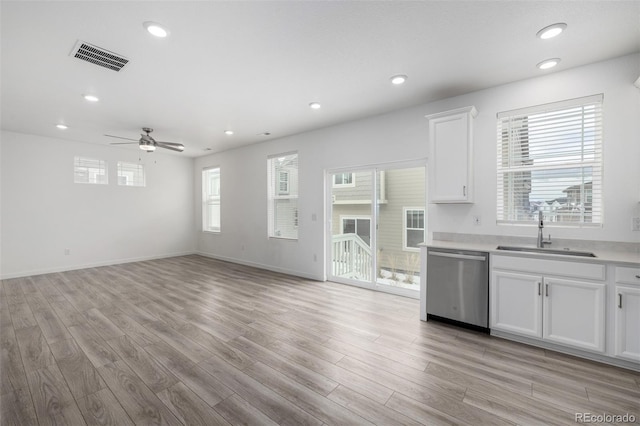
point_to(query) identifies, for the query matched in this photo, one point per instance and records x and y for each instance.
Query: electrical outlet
(67, 252)
(315, 257)
(476, 220)
(635, 224)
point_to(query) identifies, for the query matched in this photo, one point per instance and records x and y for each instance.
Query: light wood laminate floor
(191, 340)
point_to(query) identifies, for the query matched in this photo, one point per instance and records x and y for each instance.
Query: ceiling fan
(147, 143)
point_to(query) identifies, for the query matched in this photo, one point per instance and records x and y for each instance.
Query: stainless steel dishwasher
(458, 287)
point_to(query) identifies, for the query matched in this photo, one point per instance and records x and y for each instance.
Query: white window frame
(511, 125)
(405, 228)
(135, 168)
(276, 192)
(356, 218)
(91, 167)
(208, 201)
(344, 185)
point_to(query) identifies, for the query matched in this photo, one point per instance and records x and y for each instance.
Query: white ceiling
(254, 66)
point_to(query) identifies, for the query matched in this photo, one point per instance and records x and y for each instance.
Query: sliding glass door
(378, 218)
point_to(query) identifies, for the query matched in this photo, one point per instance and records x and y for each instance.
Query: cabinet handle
(464, 192)
(546, 290)
(539, 288)
(638, 277)
(620, 300)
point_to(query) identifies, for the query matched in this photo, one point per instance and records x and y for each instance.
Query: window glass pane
(89, 170)
(211, 200)
(414, 237)
(131, 174)
(282, 194)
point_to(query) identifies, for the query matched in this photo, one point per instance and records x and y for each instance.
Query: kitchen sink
(564, 252)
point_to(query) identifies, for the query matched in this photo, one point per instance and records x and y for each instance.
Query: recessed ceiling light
(398, 79)
(551, 31)
(156, 29)
(61, 126)
(314, 105)
(91, 98)
(228, 132)
(548, 63)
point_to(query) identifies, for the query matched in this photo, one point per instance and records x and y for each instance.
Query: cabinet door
(516, 303)
(627, 328)
(573, 313)
(450, 158)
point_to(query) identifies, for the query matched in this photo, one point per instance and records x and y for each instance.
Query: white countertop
(602, 255)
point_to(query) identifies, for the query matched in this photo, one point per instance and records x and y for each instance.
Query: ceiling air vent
(99, 56)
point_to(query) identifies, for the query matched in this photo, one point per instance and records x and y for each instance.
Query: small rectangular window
(550, 160)
(211, 199)
(413, 228)
(282, 194)
(90, 170)
(343, 180)
(131, 174)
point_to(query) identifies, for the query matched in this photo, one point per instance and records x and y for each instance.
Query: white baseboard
(89, 265)
(262, 266)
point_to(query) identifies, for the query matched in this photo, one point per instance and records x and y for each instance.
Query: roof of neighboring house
(577, 187)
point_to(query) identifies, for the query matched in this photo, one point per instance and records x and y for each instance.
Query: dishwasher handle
(456, 255)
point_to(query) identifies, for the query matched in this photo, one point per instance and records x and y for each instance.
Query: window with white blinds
(211, 199)
(282, 194)
(550, 160)
(131, 174)
(90, 170)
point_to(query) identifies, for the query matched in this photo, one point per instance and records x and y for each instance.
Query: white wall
(402, 135)
(43, 212)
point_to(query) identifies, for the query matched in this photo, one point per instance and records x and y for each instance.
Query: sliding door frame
(374, 169)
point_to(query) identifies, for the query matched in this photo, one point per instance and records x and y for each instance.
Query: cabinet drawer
(627, 275)
(590, 271)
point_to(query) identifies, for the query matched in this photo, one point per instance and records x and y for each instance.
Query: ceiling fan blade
(124, 143)
(120, 137)
(171, 145)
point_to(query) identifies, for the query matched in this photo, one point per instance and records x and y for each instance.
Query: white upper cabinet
(451, 156)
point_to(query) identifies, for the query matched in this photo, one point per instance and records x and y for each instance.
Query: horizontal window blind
(282, 195)
(550, 160)
(89, 170)
(131, 174)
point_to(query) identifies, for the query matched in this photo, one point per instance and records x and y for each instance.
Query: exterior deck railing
(351, 257)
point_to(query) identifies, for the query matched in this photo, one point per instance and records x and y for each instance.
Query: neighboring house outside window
(131, 174)
(414, 228)
(90, 170)
(282, 196)
(550, 160)
(211, 200)
(359, 225)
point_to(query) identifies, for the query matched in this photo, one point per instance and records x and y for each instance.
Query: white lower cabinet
(573, 313)
(627, 328)
(563, 311)
(515, 304)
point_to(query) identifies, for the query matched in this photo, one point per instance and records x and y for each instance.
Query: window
(89, 170)
(413, 228)
(361, 226)
(282, 171)
(344, 180)
(211, 199)
(131, 174)
(550, 160)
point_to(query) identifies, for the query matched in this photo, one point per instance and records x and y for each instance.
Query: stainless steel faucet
(541, 241)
